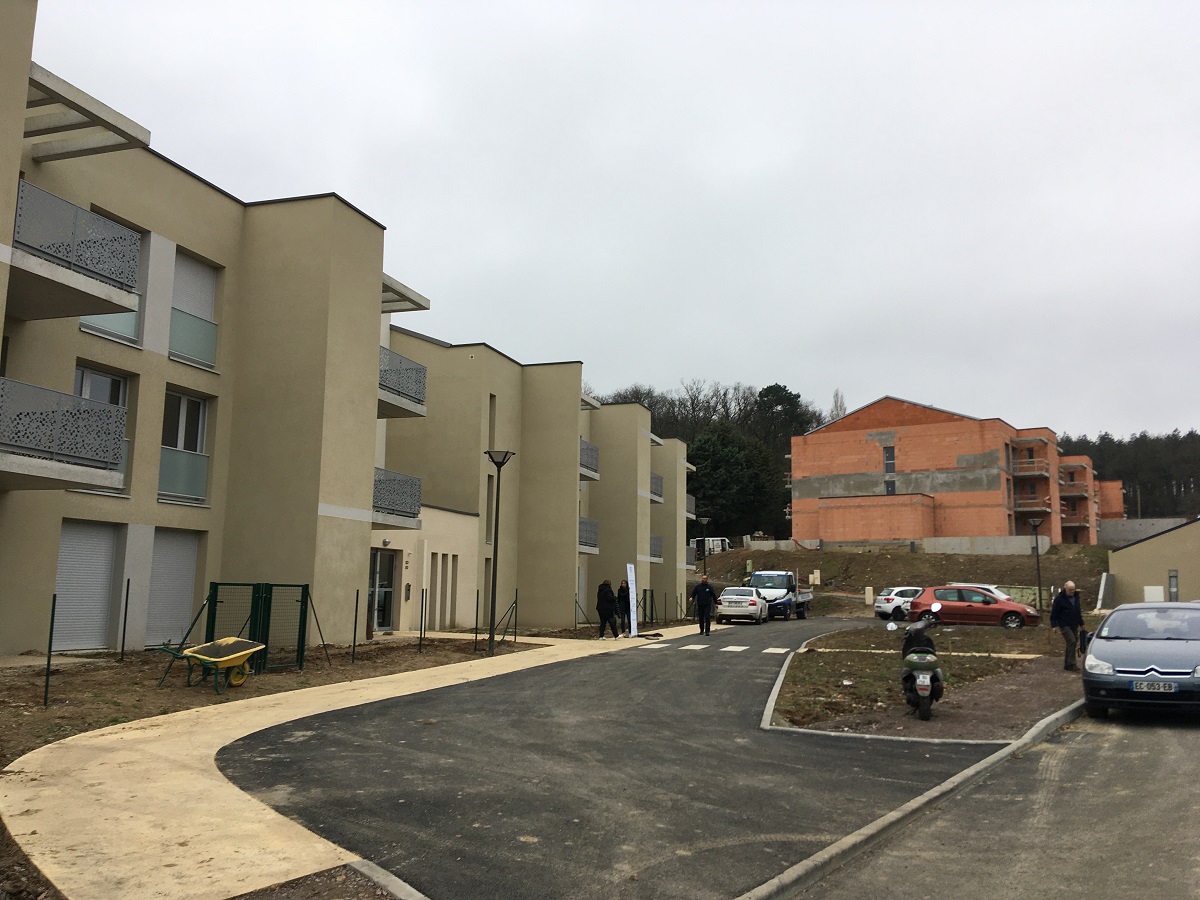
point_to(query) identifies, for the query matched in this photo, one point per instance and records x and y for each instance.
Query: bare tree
(839, 405)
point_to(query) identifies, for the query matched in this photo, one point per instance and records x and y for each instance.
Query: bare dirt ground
(103, 691)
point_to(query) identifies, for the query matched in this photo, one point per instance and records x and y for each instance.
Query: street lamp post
(498, 458)
(1035, 524)
(704, 520)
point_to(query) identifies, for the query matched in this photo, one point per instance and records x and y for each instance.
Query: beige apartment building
(580, 498)
(196, 389)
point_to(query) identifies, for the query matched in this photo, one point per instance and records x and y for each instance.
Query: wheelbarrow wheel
(238, 675)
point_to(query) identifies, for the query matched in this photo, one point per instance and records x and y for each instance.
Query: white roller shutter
(84, 585)
(195, 288)
(172, 583)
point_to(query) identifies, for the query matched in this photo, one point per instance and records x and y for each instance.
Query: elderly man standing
(705, 597)
(1067, 616)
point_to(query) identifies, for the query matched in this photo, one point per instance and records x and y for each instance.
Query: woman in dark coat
(606, 606)
(623, 607)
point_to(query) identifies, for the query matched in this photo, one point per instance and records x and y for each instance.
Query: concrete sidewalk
(93, 811)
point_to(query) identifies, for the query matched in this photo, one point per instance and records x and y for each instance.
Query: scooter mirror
(892, 626)
(935, 606)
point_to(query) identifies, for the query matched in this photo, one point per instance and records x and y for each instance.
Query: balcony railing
(38, 422)
(1031, 468)
(1077, 520)
(1027, 504)
(400, 375)
(690, 555)
(589, 457)
(691, 505)
(126, 325)
(1074, 489)
(182, 475)
(193, 338)
(589, 533)
(397, 494)
(79, 240)
(656, 547)
(656, 486)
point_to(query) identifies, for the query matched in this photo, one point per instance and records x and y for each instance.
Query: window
(889, 460)
(101, 386)
(889, 488)
(183, 422)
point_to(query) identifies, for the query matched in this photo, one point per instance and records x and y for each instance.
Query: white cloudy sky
(990, 207)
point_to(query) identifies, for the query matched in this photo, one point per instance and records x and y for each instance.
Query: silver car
(1144, 656)
(741, 603)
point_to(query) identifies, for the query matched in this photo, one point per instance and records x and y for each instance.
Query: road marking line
(777, 650)
(694, 647)
(656, 646)
(733, 649)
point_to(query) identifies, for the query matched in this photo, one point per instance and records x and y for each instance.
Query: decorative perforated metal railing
(400, 375)
(58, 230)
(691, 504)
(690, 555)
(589, 456)
(656, 485)
(656, 547)
(38, 422)
(397, 494)
(589, 533)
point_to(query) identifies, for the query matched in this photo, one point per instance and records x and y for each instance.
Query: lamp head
(499, 457)
(704, 520)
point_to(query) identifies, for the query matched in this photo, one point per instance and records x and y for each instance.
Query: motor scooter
(921, 676)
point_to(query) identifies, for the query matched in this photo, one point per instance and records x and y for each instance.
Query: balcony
(689, 557)
(656, 488)
(589, 461)
(182, 475)
(1032, 504)
(396, 501)
(193, 339)
(691, 506)
(589, 535)
(656, 548)
(1031, 468)
(1075, 520)
(67, 261)
(401, 386)
(52, 441)
(1074, 489)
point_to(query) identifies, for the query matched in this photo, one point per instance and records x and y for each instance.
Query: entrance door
(380, 593)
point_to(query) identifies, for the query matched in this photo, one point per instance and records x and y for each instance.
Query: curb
(807, 873)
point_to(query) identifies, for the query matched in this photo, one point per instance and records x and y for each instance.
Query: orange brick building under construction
(900, 471)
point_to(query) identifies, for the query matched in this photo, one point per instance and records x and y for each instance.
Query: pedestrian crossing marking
(694, 647)
(733, 649)
(778, 650)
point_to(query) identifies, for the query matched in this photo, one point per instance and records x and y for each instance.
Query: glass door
(381, 590)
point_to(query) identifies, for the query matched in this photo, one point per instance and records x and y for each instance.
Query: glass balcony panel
(182, 475)
(126, 325)
(193, 338)
(397, 494)
(46, 424)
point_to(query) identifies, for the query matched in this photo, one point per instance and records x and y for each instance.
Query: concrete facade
(896, 470)
(197, 389)
(1143, 570)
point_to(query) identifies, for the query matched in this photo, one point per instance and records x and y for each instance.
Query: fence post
(49, 651)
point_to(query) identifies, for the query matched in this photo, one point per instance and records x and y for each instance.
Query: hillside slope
(854, 572)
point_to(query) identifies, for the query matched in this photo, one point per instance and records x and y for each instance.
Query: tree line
(739, 439)
(1160, 472)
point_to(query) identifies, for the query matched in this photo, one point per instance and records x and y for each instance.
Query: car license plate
(924, 678)
(1154, 687)
(734, 603)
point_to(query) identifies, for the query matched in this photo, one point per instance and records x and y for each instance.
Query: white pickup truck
(783, 596)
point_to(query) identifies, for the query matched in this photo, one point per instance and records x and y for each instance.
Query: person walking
(623, 606)
(704, 597)
(606, 606)
(1067, 616)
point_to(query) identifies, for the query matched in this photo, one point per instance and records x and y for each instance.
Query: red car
(970, 606)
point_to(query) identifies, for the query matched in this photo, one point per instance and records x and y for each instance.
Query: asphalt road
(1102, 810)
(641, 773)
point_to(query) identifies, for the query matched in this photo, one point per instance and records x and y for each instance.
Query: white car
(741, 603)
(892, 603)
(992, 589)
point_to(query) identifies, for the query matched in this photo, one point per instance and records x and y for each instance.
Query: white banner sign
(631, 577)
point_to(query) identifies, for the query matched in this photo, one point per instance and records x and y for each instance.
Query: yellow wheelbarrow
(226, 661)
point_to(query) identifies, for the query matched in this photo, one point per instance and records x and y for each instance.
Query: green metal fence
(275, 615)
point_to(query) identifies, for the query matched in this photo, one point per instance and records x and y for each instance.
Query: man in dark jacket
(606, 606)
(1067, 616)
(704, 597)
